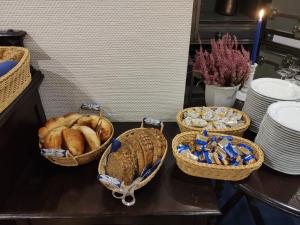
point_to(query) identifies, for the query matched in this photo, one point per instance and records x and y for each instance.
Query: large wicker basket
(85, 158)
(103, 160)
(238, 131)
(13, 83)
(213, 171)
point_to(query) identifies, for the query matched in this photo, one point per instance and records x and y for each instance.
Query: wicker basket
(13, 83)
(85, 158)
(213, 171)
(238, 131)
(103, 160)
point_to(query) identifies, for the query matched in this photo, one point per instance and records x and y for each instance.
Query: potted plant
(224, 69)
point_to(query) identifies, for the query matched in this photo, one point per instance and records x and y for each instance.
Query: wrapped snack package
(185, 150)
(208, 115)
(219, 125)
(245, 149)
(198, 122)
(192, 114)
(201, 140)
(249, 159)
(188, 121)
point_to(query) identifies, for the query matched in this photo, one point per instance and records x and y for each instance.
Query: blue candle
(257, 36)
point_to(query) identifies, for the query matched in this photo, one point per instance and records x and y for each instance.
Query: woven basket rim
(102, 161)
(24, 57)
(240, 128)
(255, 147)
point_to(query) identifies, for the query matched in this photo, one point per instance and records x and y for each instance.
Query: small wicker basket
(238, 131)
(213, 171)
(85, 158)
(103, 160)
(13, 83)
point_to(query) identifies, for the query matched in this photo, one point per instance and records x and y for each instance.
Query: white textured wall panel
(129, 55)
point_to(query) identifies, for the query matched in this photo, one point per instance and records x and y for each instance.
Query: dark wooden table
(279, 190)
(39, 192)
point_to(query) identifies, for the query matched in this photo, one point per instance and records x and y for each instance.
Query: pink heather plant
(226, 65)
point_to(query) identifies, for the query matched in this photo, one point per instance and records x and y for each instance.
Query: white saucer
(276, 89)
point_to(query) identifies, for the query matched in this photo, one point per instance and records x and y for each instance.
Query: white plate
(280, 139)
(279, 151)
(286, 113)
(276, 89)
(274, 167)
(281, 130)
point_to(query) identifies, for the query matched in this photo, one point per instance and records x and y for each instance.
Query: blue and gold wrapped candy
(220, 151)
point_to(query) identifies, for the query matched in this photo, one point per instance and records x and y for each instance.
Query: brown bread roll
(105, 130)
(74, 141)
(54, 138)
(67, 120)
(71, 118)
(54, 123)
(90, 136)
(90, 121)
(43, 131)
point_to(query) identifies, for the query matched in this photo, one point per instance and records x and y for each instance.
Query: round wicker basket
(13, 83)
(122, 137)
(213, 171)
(238, 131)
(85, 158)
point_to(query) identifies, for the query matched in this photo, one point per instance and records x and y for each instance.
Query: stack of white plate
(279, 137)
(265, 91)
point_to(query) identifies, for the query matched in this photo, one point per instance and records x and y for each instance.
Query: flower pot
(220, 96)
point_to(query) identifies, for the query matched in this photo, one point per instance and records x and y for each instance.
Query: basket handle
(56, 154)
(153, 122)
(94, 107)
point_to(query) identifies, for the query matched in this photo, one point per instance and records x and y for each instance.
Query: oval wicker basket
(238, 131)
(103, 160)
(213, 171)
(13, 83)
(85, 158)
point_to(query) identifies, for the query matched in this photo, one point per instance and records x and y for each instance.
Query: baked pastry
(74, 141)
(89, 120)
(71, 118)
(139, 149)
(105, 130)
(90, 136)
(43, 131)
(54, 138)
(67, 120)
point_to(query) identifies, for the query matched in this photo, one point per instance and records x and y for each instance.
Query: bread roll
(67, 120)
(43, 131)
(54, 138)
(91, 137)
(105, 130)
(54, 123)
(71, 118)
(74, 141)
(90, 121)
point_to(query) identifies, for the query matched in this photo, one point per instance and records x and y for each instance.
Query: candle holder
(242, 94)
